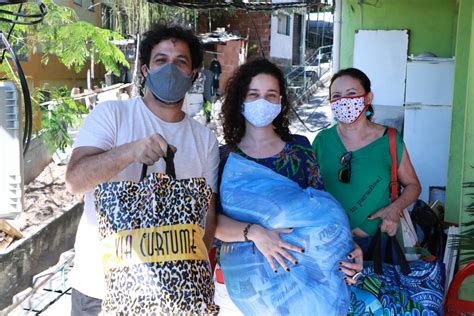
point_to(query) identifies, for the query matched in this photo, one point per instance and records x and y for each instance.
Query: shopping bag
(415, 287)
(406, 231)
(154, 257)
(253, 193)
(407, 235)
(434, 237)
(364, 303)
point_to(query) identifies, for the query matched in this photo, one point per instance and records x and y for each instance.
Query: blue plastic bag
(253, 193)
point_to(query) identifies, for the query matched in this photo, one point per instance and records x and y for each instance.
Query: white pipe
(336, 48)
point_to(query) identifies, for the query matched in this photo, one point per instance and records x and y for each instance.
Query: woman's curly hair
(233, 122)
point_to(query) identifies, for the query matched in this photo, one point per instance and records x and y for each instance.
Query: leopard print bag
(154, 257)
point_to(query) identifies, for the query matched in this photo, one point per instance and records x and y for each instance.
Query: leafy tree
(63, 35)
(137, 16)
(74, 43)
(60, 113)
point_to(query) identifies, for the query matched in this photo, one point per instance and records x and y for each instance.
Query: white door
(382, 55)
(426, 136)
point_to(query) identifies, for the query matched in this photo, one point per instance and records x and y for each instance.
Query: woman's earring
(368, 113)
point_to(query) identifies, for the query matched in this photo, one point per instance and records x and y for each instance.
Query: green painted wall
(467, 289)
(462, 137)
(461, 158)
(432, 24)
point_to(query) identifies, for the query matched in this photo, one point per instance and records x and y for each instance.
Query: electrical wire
(26, 95)
(38, 17)
(259, 41)
(9, 34)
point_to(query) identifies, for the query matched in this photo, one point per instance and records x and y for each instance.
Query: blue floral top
(296, 161)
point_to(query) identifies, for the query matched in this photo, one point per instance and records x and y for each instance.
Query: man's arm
(210, 223)
(90, 166)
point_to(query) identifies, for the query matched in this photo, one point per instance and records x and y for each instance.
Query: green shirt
(368, 189)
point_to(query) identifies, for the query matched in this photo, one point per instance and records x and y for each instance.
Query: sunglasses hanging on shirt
(344, 174)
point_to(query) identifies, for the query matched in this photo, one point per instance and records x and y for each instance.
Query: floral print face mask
(348, 109)
(260, 113)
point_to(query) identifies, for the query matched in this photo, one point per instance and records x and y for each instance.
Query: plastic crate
(454, 306)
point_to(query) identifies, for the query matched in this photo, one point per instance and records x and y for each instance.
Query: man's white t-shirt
(115, 123)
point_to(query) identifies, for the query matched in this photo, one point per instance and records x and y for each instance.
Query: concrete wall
(34, 254)
(82, 11)
(55, 74)
(281, 45)
(431, 23)
(36, 159)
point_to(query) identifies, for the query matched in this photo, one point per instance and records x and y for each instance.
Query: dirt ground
(44, 199)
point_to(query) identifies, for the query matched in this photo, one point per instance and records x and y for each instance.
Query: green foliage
(207, 107)
(137, 16)
(59, 114)
(465, 241)
(252, 49)
(75, 51)
(61, 34)
(74, 43)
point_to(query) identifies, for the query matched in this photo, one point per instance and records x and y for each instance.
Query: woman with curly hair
(256, 126)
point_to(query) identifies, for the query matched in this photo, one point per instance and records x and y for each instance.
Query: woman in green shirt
(355, 162)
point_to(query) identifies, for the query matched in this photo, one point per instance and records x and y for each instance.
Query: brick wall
(230, 55)
(230, 59)
(239, 23)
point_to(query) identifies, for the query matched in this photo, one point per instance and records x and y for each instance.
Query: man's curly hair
(233, 122)
(159, 33)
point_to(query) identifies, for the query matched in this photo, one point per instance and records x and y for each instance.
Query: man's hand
(150, 149)
(90, 166)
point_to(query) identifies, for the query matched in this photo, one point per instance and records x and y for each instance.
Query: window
(21, 52)
(283, 24)
(91, 5)
(78, 2)
(123, 18)
(107, 17)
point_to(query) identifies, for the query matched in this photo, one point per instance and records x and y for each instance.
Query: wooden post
(135, 76)
(11, 234)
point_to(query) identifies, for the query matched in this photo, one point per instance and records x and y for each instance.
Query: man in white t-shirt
(118, 137)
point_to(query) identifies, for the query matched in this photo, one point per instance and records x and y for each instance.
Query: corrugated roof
(249, 5)
(218, 37)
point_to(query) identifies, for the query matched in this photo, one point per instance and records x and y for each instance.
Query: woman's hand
(390, 217)
(269, 243)
(352, 270)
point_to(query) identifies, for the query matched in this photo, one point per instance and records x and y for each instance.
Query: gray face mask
(168, 84)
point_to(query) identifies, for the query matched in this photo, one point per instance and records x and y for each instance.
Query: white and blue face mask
(168, 84)
(260, 113)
